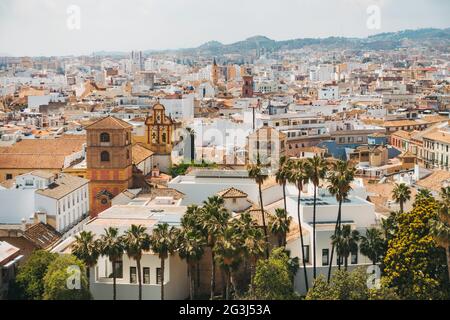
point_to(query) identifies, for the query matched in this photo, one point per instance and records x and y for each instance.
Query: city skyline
(116, 26)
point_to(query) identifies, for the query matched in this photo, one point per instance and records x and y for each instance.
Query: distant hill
(382, 41)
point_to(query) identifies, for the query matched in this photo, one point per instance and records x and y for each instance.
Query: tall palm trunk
(191, 278)
(198, 273)
(252, 275)
(401, 206)
(339, 255)
(280, 239)
(224, 283)
(114, 279)
(263, 221)
(88, 275)
(162, 278)
(314, 233)
(285, 210)
(346, 263)
(447, 252)
(301, 240)
(138, 264)
(213, 274)
(338, 219)
(228, 282)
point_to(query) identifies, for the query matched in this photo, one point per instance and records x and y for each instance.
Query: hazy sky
(39, 27)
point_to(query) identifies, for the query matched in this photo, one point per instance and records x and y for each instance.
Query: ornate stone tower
(160, 130)
(109, 161)
(247, 86)
(215, 72)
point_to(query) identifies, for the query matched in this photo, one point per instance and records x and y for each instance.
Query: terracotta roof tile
(42, 235)
(109, 122)
(62, 186)
(140, 153)
(232, 193)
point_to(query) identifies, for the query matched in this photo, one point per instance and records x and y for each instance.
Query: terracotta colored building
(247, 87)
(109, 161)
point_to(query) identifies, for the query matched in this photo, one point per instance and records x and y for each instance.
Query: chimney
(41, 217)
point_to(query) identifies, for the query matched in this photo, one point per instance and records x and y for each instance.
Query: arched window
(104, 137)
(128, 154)
(104, 156)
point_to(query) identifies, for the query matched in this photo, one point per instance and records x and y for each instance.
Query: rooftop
(7, 251)
(42, 235)
(62, 186)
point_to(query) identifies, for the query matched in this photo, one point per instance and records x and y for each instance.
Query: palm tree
(111, 245)
(346, 242)
(440, 227)
(190, 246)
(340, 178)
(372, 245)
(135, 241)
(298, 175)
(254, 243)
(279, 225)
(282, 175)
(401, 193)
(86, 249)
(192, 220)
(423, 194)
(214, 219)
(163, 242)
(256, 172)
(227, 253)
(317, 169)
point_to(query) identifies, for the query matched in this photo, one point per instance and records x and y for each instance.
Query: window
(354, 258)
(234, 200)
(146, 275)
(104, 137)
(119, 269)
(306, 251)
(158, 275)
(133, 277)
(325, 255)
(128, 154)
(104, 156)
(9, 176)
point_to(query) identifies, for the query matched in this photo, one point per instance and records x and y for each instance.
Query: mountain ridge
(385, 40)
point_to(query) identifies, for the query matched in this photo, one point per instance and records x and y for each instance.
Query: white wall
(198, 190)
(182, 109)
(16, 204)
(175, 279)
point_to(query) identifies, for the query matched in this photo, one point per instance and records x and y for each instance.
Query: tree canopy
(413, 263)
(66, 280)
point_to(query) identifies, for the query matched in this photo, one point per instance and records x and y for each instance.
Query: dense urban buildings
(201, 156)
